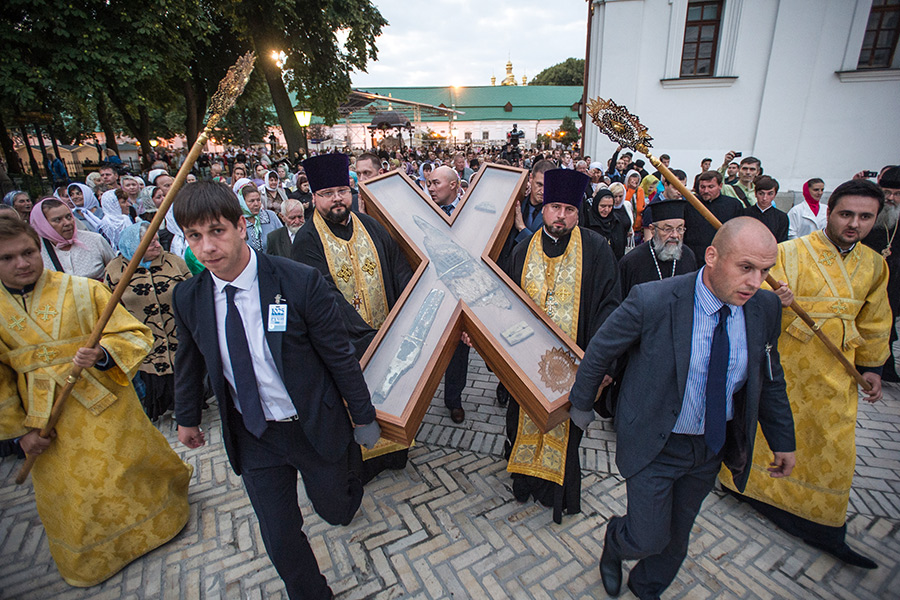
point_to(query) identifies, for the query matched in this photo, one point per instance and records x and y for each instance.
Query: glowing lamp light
(303, 117)
(154, 143)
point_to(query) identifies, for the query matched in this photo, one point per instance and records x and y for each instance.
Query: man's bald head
(443, 185)
(739, 259)
(740, 231)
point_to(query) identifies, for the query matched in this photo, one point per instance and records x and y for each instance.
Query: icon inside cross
(457, 286)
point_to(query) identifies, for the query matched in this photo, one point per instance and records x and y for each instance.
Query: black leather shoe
(457, 415)
(644, 597)
(610, 568)
(846, 554)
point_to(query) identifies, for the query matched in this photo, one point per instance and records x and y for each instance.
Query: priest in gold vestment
(571, 273)
(358, 258)
(842, 285)
(107, 485)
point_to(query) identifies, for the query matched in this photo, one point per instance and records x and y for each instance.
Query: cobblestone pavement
(448, 527)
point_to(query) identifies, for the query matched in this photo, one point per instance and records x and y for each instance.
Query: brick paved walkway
(448, 527)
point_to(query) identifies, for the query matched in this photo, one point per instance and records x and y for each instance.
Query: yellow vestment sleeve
(12, 413)
(874, 319)
(127, 340)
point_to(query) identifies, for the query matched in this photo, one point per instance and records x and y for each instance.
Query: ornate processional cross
(457, 286)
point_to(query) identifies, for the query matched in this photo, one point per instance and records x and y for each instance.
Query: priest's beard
(888, 216)
(337, 214)
(665, 251)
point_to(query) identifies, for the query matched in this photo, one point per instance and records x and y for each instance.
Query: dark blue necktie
(448, 208)
(716, 382)
(242, 368)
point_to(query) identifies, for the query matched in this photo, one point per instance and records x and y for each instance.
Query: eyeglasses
(330, 194)
(669, 230)
(892, 194)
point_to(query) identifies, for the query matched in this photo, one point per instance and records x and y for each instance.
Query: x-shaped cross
(457, 286)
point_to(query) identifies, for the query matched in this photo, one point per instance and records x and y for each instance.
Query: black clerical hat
(663, 209)
(565, 185)
(327, 171)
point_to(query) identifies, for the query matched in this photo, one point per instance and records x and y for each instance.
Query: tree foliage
(569, 131)
(148, 67)
(568, 72)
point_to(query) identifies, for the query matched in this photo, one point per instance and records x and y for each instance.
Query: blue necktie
(716, 382)
(448, 208)
(242, 368)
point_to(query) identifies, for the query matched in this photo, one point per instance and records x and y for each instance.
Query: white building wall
(776, 95)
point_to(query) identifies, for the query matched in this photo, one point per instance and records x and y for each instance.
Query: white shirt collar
(244, 281)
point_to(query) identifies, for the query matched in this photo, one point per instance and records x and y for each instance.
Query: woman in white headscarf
(84, 205)
(117, 215)
(272, 192)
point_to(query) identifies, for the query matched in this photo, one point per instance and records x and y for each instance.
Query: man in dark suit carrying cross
(269, 332)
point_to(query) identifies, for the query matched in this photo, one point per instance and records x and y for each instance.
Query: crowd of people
(268, 280)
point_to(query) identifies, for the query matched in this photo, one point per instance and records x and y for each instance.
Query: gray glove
(367, 435)
(581, 418)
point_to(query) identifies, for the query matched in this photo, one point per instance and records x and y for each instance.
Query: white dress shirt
(276, 401)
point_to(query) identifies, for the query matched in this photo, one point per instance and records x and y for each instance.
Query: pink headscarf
(813, 203)
(46, 231)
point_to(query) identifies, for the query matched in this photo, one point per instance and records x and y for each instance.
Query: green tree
(319, 63)
(568, 72)
(570, 134)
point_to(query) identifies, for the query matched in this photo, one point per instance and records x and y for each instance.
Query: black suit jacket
(654, 326)
(314, 356)
(279, 243)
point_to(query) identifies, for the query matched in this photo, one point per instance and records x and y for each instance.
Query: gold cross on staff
(47, 354)
(456, 287)
(46, 313)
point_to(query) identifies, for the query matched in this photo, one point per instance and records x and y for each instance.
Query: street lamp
(303, 117)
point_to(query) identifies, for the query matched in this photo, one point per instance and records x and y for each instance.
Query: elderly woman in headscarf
(148, 202)
(149, 298)
(132, 188)
(93, 180)
(260, 221)
(20, 201)
(64, 248)
(81, 199)
(273, 192)
(284, 174)
(118, 213)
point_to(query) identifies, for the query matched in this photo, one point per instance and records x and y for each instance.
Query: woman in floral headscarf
(149, 299)
(260, 221)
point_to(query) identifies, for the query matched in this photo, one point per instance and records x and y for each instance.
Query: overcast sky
(464, 42)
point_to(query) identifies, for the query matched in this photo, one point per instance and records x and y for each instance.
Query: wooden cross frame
(457, 286)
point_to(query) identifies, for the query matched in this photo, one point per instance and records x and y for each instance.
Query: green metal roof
(480, 103)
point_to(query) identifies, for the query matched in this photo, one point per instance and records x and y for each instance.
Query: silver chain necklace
(658, 272)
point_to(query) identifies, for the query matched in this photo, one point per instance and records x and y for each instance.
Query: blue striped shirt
(692, 419)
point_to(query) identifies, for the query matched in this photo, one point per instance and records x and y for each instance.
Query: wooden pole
(229, 89)
(705, 212)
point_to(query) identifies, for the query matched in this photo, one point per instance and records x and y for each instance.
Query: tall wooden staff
(624, 128)
(230, 88)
